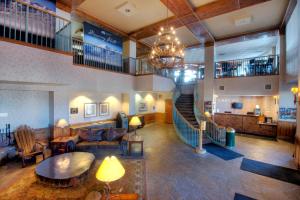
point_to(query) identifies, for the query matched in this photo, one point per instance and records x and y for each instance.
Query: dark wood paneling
(286, 130)
(246, 124)
(297, 150)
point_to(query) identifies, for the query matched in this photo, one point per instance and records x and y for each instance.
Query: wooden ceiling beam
(203, 12)
(288, 13)
(84, 16)
(221, 7)
(69, 5)
(184, 11)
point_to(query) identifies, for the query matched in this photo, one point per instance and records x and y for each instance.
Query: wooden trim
(63, 7)
(42, 10)
(184, 11)
(88, 17)
(288, 13)
(203, 12)
(35, 46)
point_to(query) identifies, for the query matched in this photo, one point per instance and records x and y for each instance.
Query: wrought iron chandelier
(167, 51)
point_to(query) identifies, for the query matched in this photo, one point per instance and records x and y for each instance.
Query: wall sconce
(295, 91)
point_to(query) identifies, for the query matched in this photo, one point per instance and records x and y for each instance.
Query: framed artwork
(90, 110)
(73, 111)
(103, 109)
(142, 107)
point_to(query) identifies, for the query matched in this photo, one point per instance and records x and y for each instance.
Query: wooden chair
(28, 147)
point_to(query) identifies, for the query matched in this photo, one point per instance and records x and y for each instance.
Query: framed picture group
(90, 109)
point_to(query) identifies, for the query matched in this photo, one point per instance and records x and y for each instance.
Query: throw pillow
(95, 135)
(83, 134)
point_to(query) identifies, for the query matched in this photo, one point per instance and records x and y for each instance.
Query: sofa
(99, 138)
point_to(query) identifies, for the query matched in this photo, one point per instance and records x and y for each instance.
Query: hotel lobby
(158, 100)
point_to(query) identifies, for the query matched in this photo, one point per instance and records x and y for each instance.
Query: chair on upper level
(28, 147)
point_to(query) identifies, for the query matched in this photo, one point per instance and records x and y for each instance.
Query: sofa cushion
(83, 134)
(114, 134)
(95, 135)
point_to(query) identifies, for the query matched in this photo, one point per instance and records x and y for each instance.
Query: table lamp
(135, 122)
(62, 124)
(110, 170)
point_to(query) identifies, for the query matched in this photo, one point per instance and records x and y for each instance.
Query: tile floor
(174, 171)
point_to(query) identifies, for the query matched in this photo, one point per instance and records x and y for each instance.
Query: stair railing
(215, 133)
(185, 131)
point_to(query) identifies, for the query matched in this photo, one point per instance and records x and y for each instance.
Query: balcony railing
(97, 57)
(24, 22)
(258, 66)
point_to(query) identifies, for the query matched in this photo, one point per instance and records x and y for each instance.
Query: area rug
(221, 152)
(238, 196)
(25, 185)
(272, 171)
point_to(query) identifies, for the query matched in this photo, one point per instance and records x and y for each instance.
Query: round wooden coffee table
(65, 170)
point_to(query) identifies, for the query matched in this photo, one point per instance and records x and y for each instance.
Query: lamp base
(107, 190)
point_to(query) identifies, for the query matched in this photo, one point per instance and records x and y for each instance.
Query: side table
(132, 139)
(63, 144)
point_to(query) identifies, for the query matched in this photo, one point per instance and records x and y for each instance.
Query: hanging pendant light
(167, 51)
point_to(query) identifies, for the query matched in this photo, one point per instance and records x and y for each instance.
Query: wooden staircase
(185, 105)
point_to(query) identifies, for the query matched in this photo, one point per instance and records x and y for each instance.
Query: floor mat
(221, 152)
(238, 196)
(272, 171)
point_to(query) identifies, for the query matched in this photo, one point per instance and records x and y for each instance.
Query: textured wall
(78, 100)
(25, 68)
(247, 86)
(24, 107)
(266, 103)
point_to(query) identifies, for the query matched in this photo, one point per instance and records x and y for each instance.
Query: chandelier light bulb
(174, 32)
(172, 28)
(159, 33)
(153, 52)
(168, 37)
(173, 49)
(162, 28)
(167, 47)
(176, 39)
(178, 42)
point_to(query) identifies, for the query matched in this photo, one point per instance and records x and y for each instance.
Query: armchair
(27, 145)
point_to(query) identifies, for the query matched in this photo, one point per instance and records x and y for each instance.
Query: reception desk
(246, 124)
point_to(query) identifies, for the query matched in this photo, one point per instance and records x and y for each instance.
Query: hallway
(175, 172)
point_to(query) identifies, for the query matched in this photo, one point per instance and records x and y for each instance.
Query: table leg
(129, 148)
(142, 150)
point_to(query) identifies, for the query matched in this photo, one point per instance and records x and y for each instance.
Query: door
(168, 111)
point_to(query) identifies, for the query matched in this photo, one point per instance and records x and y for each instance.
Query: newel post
(200, 149)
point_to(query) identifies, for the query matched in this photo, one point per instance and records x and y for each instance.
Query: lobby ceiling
(220, 22)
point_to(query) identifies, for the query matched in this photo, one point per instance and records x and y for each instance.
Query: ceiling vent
(221, 87)
(243, 21)
(127, 9)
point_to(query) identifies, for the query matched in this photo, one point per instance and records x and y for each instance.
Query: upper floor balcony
(257, 66)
